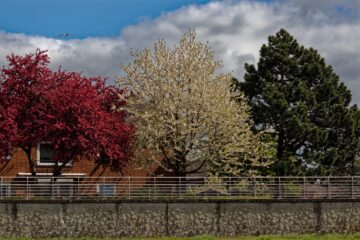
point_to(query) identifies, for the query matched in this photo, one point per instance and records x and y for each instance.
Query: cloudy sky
(102, 32)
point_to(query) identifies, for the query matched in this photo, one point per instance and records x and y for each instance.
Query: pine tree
(298, 97)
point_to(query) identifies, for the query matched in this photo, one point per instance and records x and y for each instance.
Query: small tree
(294, 94)
(80, 117)
(186, 117)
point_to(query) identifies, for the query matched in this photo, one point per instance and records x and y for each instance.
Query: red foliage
(81, 117)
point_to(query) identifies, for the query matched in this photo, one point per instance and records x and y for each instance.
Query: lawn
(293, 237)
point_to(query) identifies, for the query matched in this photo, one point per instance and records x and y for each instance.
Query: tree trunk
(30, 161)
(281, 166)
(58, 168)
(57, 172)
(180, 177)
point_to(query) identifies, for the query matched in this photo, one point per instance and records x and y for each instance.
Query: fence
(154, 188)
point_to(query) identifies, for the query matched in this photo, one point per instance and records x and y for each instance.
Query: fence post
(1, 187)
(254, 186)
(27, 188)
(52, 187)
(206, 190)
(180, 187)
(279, 188)
(352, 187)
(149, 188)
(328, 188)
(78, 188)
(304, 186)
(154, 191)
(128, 188)
(230, 185)
(102, 192)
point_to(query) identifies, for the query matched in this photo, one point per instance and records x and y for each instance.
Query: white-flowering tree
(186, 116)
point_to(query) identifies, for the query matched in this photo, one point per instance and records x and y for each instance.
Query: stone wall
(118, 219)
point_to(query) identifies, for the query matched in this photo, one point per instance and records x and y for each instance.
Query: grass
(290, 237)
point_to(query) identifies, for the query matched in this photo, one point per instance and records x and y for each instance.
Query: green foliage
(299, 98)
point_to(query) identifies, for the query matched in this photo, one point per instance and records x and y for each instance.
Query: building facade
(17, 165)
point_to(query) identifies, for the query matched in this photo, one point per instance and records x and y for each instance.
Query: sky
(101, 32)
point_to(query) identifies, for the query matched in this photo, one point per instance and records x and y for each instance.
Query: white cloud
(235, 30)
(92, 56)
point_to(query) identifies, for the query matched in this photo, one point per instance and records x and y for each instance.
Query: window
(45, 155)
(106, 190)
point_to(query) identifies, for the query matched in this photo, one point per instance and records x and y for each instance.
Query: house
(81, 177)
(17, 165)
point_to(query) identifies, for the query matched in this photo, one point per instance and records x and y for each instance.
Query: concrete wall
(113, 219)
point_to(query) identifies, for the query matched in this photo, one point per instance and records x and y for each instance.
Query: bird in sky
(64, 35)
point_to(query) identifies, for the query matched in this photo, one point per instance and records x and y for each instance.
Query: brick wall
(19, 164)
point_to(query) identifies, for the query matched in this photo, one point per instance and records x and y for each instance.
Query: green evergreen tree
(298, 97)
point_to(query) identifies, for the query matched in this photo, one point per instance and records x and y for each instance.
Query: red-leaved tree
(82, 118)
